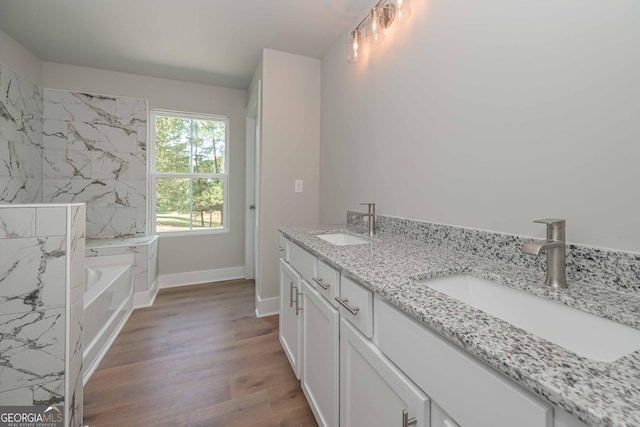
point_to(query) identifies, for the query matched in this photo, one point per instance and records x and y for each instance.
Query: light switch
(298, 186)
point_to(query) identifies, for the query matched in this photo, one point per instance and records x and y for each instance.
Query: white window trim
(153, 175)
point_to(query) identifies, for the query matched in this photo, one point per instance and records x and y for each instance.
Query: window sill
(192, 233)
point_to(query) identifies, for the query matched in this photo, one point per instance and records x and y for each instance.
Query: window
(189, 173)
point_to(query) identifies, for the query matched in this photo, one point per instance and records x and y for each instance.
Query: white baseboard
(197, 277)
(145, 299)
(267, 307)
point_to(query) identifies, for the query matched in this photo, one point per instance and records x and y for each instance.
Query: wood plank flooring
(198, 357)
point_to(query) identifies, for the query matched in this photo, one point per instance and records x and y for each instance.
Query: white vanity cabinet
(290, 322)
(362, 362)
(373, 392)
(320, 366)
(470, 392)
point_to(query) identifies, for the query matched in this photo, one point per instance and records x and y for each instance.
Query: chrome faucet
(555, 247)
(372, 217)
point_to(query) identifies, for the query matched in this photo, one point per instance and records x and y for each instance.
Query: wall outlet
(298, 186)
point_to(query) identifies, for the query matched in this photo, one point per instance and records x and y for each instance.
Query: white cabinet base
(290, 323)
(320, 375)
(373, 392)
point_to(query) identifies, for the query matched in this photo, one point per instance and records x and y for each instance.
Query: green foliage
(189, 146)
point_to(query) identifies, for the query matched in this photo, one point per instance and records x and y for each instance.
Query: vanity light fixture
(403, 9)
(377, 25)
(374, 25)
(355, 46)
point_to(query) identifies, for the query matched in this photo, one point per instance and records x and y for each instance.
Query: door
(321, 358)
(290, 315)
(373, 391)
(252, 201)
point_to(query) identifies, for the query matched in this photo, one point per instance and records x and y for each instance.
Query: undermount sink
(583, 333)
(342, 239)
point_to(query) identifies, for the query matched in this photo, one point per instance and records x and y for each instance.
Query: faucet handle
(552, 222)
(372, 207)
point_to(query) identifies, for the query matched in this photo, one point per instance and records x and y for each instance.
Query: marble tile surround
(68, 147)
(20, 139)
(94, 151)
(41, 296)
(616, 270)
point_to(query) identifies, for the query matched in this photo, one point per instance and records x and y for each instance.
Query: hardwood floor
(198, 357)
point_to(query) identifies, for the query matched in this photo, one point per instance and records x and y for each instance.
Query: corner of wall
(20, 59)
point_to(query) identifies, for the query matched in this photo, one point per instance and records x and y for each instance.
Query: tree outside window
(189, 175)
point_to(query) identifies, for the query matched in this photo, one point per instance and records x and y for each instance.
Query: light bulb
(375, 29)
(354, 52)
(403, 9)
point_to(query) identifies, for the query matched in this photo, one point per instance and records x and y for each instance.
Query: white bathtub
(108, 302)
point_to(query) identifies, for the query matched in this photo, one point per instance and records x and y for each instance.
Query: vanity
(374, 344)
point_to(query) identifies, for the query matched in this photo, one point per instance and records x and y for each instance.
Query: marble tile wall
(74, 306)
(602, 267)
(20, 139)
(94, 151)
(41, 295)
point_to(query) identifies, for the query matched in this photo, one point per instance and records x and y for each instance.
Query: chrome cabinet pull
(406, 421)
(320, 283)
(448, 423)
(298, 308)
(345, 303)
(291, 294)
(280, 248)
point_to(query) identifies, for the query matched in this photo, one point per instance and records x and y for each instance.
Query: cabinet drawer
(356, 305)
(283, 248)
(439, 418)
(302, 261)
(472, 393)
(327, 282)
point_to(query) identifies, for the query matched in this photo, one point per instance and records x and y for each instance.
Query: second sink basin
(583, 333)
(342, 239)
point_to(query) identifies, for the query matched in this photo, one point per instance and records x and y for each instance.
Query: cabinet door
(320, 367)
(290, 315)
(373, 391)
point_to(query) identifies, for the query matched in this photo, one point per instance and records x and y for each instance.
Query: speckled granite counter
(600, 394)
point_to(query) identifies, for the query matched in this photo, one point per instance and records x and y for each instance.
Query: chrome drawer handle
(406, 422)
(345, 303)
(280, 248)
(320, 283)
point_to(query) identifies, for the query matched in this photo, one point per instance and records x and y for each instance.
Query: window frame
(154, 175)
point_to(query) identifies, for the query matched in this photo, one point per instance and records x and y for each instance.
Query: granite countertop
(599, 393)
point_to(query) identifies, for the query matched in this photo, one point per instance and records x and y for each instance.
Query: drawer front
(283, 248)
(439, 418)
(327, 282)
(302, 261)
(470, 392)
(356, 305)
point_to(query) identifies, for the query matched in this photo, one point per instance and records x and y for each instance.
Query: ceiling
(204, 41)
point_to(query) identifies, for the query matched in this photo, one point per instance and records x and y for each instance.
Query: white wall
(191, 253)
(19, 59)
(290, 151)
(490, 115)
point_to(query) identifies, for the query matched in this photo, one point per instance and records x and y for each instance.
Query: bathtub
(108, 302)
